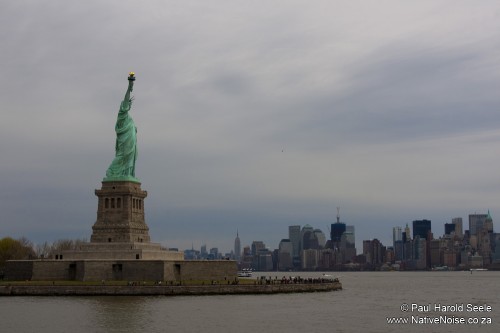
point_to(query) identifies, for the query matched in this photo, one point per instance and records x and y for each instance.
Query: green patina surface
(123, 166)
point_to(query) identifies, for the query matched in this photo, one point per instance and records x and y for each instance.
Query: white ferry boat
(245, 272)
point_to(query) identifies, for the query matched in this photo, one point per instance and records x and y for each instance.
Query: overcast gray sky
(251, 115)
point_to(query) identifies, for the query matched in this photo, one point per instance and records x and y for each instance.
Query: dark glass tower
(449, 228)
(337, 230)
(421, 228)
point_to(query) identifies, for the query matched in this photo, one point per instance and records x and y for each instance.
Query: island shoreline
(168, 290)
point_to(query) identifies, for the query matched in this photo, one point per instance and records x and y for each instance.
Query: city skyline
(418, 248)
(251, 117)
(438, 231)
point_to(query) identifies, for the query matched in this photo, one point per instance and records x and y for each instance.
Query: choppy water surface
(364, 304)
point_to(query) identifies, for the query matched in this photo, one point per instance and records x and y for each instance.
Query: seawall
(103, 290)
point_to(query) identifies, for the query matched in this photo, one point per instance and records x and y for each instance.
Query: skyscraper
(257, 246)
(237, 247)
(374, 251)
(449, 228)
(320, 236)
(397, 235)
(488, 223)
(420, 251)
(457, 221)
(348, 244)
(285, 255)
(337, 229)
(421, 228)
(407, 232)
(306, 238)
(476, 222)
(294, 236)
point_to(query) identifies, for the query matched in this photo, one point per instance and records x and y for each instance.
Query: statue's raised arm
(123, 166)
(127, 100)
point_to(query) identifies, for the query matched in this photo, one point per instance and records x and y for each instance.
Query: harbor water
(369, 302)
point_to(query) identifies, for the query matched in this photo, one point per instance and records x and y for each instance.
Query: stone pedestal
(120, 214)
(120, 248)
(120, 231)
(121, 251)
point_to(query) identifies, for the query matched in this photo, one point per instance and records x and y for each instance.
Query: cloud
(251, 116)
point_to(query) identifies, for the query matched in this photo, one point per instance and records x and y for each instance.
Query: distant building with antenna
(343, 240)
(337, 230)
(237, 248)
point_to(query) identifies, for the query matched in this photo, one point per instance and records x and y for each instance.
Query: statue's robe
(123, 165)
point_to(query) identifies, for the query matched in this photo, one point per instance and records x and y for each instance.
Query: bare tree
(65, 245)
(43, 250)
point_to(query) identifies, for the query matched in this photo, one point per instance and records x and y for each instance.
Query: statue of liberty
(123, 165)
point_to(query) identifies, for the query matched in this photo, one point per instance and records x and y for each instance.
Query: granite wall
(120, 270)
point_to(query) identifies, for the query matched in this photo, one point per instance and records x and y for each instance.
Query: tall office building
(294, 236)
(397, 242)
(246, 258)
(285, 255)
(307, 240)
(237, 247)
(408, 234)
(309, 259)
(350, 235)
(397, 235)
(337, 230)
(421, 228)
(459, 231)
(495, 240)
(320, 236)
(488, 223)
(449, 228)
(374, 251)
(399, 250)
(476, 222)
(485, 240)
(214, 253)
(348, 244)
(257, 246)
(420, 255)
